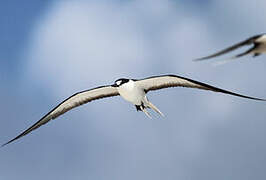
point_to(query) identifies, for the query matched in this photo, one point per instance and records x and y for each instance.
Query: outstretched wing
(71, 102)
(166, 81)
(231, 48)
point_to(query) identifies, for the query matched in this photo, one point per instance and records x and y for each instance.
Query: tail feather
(145, 111)
(150, 105)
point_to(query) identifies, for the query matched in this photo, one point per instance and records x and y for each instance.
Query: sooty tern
(259, 47)
(131, 90)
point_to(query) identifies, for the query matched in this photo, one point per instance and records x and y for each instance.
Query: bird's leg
(138, 107)
(256, 54)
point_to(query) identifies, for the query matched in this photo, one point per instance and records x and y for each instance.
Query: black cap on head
(120, 81)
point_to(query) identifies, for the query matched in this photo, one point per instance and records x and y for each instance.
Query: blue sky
(50, 50)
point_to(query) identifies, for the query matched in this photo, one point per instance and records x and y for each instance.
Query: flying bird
(259, 47)
(131, 90)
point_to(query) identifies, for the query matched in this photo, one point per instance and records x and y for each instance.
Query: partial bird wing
(166, 81)
(231, 48)
(71, 102)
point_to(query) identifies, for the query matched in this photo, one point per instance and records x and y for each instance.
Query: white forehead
(118, 82)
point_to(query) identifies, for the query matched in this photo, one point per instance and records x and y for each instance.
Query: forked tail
(150, 105)
(143, 109)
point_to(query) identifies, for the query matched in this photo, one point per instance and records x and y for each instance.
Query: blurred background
(51, 49)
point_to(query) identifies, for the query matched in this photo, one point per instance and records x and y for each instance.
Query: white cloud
(96, 42)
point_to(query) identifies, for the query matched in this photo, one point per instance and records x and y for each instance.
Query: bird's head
(120, 81)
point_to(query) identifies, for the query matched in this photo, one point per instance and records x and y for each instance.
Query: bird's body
(261, 47)
(258, 48)
(132, 90)
(132, 93)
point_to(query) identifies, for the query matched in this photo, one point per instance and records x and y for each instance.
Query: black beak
(114, 85)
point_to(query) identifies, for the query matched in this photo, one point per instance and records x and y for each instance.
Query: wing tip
(4, 144)
(14, 139)
(249, 97)
(7, 143)
(259, 99)
(201, 59)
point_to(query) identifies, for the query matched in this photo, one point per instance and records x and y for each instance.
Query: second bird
(258, 43)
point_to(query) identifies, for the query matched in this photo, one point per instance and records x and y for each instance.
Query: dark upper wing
(231, 48)
(71, 102)
(166, 81)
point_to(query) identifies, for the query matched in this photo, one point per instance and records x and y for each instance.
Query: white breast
(131, 92)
